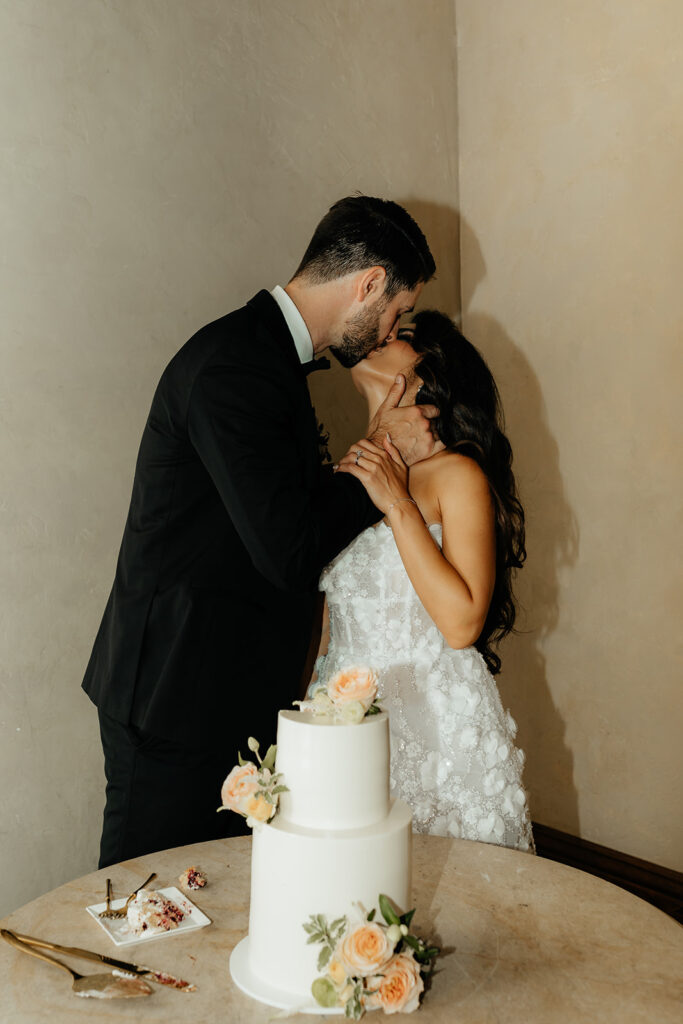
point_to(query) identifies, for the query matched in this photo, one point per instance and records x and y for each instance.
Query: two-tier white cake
(337, 840)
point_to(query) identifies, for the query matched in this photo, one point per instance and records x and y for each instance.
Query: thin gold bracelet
(398, 502)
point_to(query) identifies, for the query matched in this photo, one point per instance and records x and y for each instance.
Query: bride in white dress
(422, 596)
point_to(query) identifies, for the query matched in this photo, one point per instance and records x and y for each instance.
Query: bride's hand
(382, 471)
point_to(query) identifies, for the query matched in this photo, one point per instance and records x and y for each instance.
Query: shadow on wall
(441, 225)
(552, 545)
(336, 401)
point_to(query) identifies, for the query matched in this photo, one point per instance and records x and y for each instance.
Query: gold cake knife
(120, 965)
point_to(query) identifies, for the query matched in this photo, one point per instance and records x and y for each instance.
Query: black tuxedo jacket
(231, 519)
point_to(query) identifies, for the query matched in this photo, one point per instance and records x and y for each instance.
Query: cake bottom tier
(299, 872)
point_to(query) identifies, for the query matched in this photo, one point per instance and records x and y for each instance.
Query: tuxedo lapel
(274, 325)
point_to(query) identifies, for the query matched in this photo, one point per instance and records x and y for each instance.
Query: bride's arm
(455, 586)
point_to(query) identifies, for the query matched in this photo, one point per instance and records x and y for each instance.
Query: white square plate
(118, 929)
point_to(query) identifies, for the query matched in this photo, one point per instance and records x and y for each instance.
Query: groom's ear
(370, 284)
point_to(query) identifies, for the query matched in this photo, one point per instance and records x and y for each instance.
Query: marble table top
(523, 938)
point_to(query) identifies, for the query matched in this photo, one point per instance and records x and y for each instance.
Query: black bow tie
(315, 364)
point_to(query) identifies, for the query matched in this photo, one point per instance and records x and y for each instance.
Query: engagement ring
(358, 455)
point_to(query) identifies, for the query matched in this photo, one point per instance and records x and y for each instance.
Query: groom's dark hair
(360, 232)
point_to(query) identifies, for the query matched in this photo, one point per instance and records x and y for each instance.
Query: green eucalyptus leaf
(279, 789)
(353, 1009)
(324, 957)
(324, 992)
(339, 923)
(388, 912)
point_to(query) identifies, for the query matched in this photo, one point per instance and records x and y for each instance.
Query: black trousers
(160, 794)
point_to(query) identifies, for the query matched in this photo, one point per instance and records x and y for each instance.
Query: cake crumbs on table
(193, 878)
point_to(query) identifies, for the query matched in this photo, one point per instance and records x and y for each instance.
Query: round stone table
(524, 940)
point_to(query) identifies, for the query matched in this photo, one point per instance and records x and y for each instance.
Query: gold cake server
(116, 985)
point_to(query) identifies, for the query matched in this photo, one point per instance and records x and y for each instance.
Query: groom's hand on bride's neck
(408, 426)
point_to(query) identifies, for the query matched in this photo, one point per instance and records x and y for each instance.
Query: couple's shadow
(552, 547)
(552, 531)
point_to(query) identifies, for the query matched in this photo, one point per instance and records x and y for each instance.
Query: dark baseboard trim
(659, 886)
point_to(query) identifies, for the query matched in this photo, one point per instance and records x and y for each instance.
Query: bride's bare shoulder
(445, 479)
(447, 468)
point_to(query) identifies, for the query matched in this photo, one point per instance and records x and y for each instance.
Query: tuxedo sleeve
(242, 423)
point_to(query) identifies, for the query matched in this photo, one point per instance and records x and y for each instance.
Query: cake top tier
(337, 775)
(304, 718)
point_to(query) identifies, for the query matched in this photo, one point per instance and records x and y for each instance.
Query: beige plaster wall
(571, 148)
(161, 161)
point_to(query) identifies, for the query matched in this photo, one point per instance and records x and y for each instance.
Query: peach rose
(240, 787)
(365, 950)
(353, 684)
(258, 809)
(400, 987)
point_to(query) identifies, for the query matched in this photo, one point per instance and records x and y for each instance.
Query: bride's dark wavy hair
(458, 382)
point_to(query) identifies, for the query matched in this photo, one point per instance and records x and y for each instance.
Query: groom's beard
(361, 336)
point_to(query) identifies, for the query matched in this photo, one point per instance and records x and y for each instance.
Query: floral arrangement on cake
(346, 698)
(253, 789)
(369, 964)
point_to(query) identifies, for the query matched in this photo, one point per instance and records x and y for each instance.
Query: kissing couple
(234, 524)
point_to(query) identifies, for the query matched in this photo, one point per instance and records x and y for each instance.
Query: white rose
(352, 712)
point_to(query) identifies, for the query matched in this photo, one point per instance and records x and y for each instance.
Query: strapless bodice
(374, 609)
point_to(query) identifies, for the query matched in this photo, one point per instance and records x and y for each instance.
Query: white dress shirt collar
(296, 323)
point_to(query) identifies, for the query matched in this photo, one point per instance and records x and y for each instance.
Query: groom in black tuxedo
(232, 517)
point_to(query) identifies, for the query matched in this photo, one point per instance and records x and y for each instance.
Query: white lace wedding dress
(453, 758)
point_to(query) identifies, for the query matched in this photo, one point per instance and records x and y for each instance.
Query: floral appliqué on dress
(453, 757)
